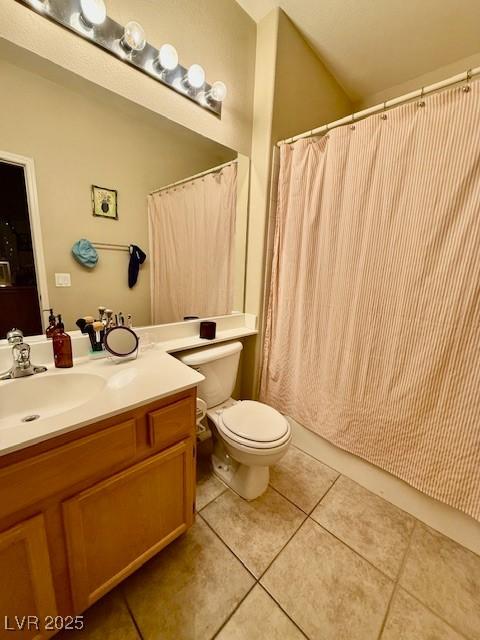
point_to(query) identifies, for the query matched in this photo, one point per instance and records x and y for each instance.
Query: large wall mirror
(78, 163)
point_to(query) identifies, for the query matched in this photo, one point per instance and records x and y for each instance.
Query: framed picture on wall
(104, 202)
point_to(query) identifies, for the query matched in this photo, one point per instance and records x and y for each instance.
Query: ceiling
(371, 45)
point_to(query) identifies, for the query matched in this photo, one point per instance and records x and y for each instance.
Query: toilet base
(248, 481)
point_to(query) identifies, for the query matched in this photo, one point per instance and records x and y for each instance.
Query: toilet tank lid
(202, 355)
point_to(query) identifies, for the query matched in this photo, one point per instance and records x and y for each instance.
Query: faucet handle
(21, 354)
(15, 336)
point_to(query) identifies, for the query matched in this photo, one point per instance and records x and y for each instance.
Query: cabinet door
(115, 526)
(26, 595)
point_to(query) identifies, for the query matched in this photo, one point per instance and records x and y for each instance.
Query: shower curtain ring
(421, 102)
(466, 86)
(384, 114)
(352, 127)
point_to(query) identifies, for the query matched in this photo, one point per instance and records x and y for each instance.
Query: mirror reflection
(19, 295)
(106, 204)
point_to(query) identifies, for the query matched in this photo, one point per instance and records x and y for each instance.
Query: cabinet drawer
(27, 482)
(171, 423)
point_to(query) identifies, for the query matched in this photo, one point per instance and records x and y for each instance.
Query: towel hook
(466, 87)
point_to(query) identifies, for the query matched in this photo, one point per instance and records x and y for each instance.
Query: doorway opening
(19, 295)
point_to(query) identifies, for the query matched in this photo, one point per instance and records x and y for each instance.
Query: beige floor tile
(259, 618)
(327, 589)
(301, 478)
(446, 577)
(209, 486)
(373, 527)
(108, 619)
(255, 531)
(410, 620)
(188, 590)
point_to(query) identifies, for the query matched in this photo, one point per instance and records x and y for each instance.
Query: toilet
(251, 436)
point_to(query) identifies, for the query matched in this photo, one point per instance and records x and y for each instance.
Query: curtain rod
(466, 76)
(197, 175)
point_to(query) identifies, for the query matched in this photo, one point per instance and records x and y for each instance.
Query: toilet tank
(219, 365)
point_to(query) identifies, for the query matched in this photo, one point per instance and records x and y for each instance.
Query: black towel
(137, 257)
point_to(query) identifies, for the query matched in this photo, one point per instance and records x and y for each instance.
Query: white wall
(217, 34)
(459, 66)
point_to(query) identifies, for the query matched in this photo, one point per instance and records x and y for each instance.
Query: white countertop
(182, 344)
(124, 385)
(128, 384)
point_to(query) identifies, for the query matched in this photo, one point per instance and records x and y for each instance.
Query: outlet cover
(63, 280)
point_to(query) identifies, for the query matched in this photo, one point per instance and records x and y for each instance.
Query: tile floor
(317, 557)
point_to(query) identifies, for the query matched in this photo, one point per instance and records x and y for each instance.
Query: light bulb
(168, 57)
(39, 5)
(133, 37)
(218, 91)
(93, 12)
(196, 76)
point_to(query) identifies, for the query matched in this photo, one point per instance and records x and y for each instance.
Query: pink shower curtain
(373, 320)
(192, 231)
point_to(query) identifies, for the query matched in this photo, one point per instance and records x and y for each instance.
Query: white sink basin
(45, 395)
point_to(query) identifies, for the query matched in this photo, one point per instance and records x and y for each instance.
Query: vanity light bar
(89, 20)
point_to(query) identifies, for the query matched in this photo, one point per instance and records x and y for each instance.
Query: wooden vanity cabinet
(27, 593)
(80, 512)
(116, 525)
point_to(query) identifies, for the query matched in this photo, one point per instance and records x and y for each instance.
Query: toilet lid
(255, 421)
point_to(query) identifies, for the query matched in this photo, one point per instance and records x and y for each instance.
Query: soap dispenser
(52, 325)
(62, 346)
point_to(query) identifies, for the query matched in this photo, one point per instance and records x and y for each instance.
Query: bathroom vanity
(103, 479)
(80, 512)
(87, 505)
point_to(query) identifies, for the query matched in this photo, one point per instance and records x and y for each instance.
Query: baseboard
(449, 521)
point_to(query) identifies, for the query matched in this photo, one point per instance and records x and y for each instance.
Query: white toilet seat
(253, 425)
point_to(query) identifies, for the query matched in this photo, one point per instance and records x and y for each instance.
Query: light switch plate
(63, 280)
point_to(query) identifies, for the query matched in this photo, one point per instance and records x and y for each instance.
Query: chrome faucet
(21, 357)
